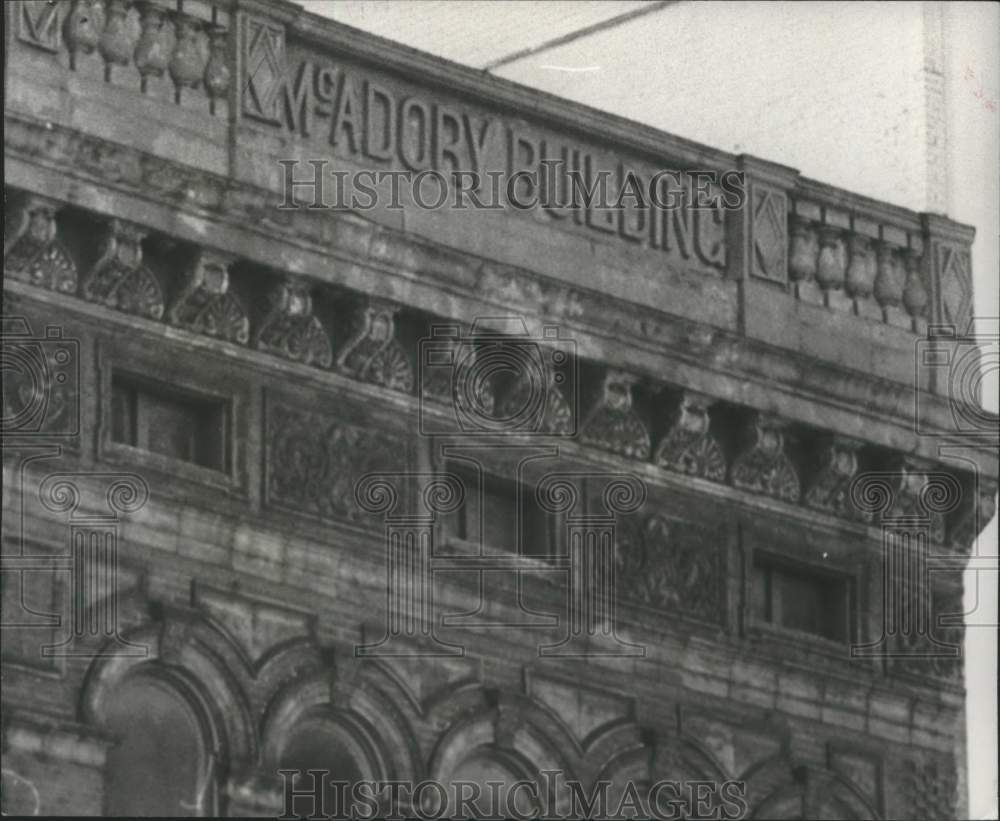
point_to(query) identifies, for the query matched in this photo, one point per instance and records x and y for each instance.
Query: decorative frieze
(35, 254)
(830, 489)
(373, 354)
(119, 279)
(290, 329)
(688, 446)
(612, 423)
(206, 304)
(762, 466)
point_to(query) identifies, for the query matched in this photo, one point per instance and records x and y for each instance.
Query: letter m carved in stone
(769, 235)
(264, 68)
(38, 23)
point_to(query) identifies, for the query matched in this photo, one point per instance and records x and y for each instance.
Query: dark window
(801, 599)
(318, 745)
(160, 419)
(503, 510)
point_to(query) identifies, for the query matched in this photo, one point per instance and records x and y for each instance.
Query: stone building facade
(257, 513)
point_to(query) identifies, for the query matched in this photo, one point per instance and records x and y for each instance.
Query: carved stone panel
(314, 461)
(672, 564)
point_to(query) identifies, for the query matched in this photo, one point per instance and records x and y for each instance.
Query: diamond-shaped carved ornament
(956, 287)
(265, 70)
(769, 236)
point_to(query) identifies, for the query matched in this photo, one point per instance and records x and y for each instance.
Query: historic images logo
(497, 395)
(41, 411)
(314, 794)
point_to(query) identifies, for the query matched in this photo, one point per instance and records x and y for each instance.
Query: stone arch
(648, 760)
(197, 657)
(504, 734)
(778, 788)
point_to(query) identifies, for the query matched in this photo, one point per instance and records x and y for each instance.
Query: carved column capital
(290, 329)
(830, 489)
(762, 465)
(205, 304)
(689, 446)
(35, 254)
(612, 423)
(373, 354)
(119, 279)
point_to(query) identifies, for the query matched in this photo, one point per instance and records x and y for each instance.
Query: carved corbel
(762, 465)
(521, 395)
(830, 490)
(35, 253)
(612, 423)
(206, 305)
(975, 512)
(119, 279)
(373, 354)
(914, 497)
(455, 377)
(689, 447)
(291, 330)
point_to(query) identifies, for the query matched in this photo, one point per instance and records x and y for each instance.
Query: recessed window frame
(773, 562)
(461, 534)
(187, 375)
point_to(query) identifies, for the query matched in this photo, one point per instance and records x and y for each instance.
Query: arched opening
(484, 785)
(160, 764)
(320, 743)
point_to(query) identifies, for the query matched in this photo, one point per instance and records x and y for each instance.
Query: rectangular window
(500, 511)
(162, 419)
(801, 599)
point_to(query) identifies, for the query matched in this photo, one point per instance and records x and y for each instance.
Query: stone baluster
(915, 297)
(861, 273)
(890, 280)
(151, 55)
(803, 259)
(83, 27)
(831, 268)
(187, 61)
(115, 44)
(217, 74)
